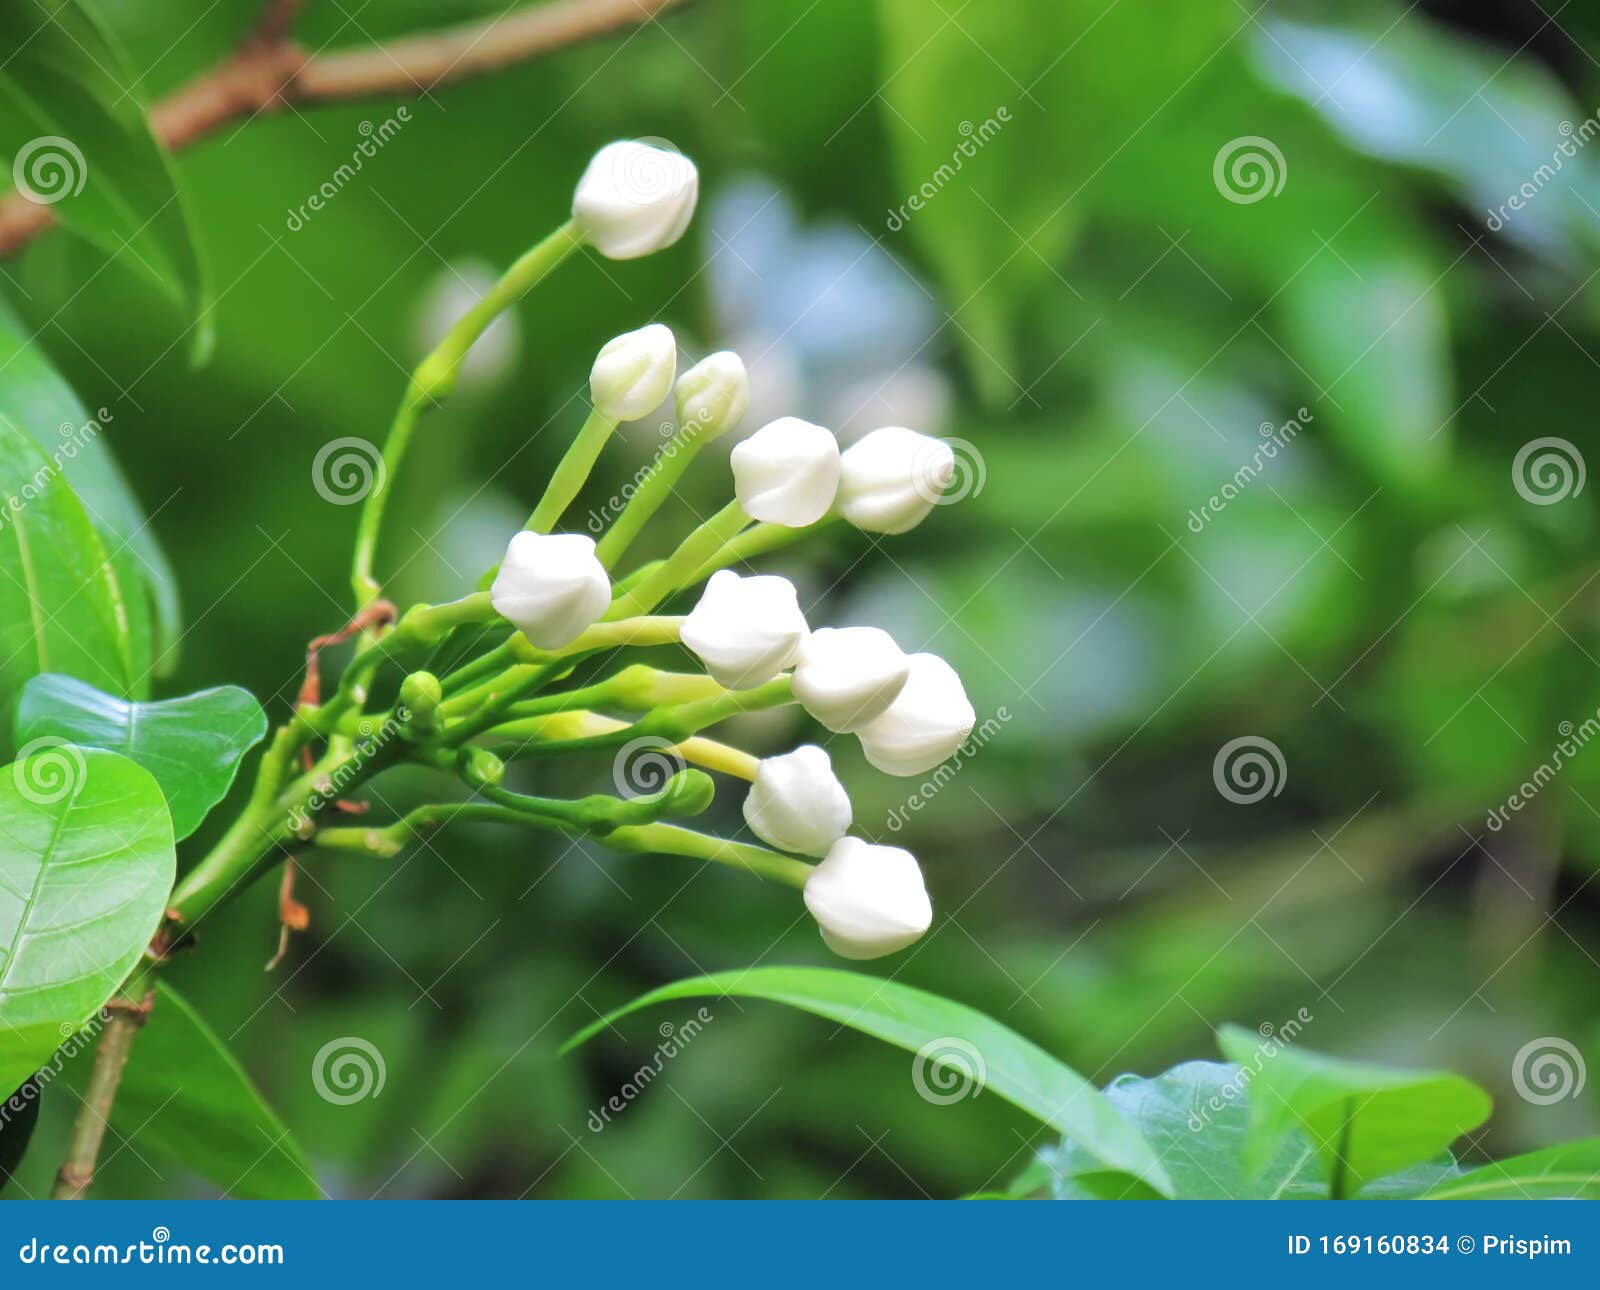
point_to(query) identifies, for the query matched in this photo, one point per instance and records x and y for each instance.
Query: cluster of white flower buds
(909, 711)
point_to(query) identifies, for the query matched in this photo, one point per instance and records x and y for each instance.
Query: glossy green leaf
(951, 1041)
(35, 400)
(1367, 1121)
(64, 606)
(78, 140)
(185, 1094)
(1197, 1118)
(192, 745)
(1568, 1172)
(86, 862)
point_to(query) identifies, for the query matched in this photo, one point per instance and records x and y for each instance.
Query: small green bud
(420, 697)
(480, 768)
(687, 793)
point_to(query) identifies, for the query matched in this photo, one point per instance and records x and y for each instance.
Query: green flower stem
(756, 540)
(622, 586)
(433, 380)
(388, 841)
(572, 472)
(678, 570)
(421, 627)
(590, 731)
(653, 490)
(672, 839)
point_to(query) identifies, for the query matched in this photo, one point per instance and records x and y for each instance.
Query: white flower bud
(868, 900)
(633, 372)
(551, 587)
(890, 479)
(927, 722)
(787, 472)
(713, 394)
(745, 630)
(634, 199)
(797, 803)
(848, 676)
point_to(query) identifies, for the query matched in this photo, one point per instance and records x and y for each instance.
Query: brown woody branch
(270, 72)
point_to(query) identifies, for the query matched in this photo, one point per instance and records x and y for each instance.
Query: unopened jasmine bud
(745, 630)
(713, 394)
(891, 479)
(551, 587)
(848, 676)
(420, 696)
(927, 722)
(787, 472)
(633, 372)
(634, 199)
(868, 900)
(480, 768)
(797, 803)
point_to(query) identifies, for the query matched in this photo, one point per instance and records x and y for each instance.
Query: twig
(126, 1016)
(270, 72)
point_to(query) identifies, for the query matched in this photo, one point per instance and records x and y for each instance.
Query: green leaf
(1197, 1118)
(1568, 1172)
(63, 606)
(86, 862)
(946, 1036)
(185, 1094)
(193, 745)
(81, 144)
(1002, 121)
(1367, 1121)
(35, 400)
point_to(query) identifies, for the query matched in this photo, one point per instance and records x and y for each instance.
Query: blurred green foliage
(1381, 602)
